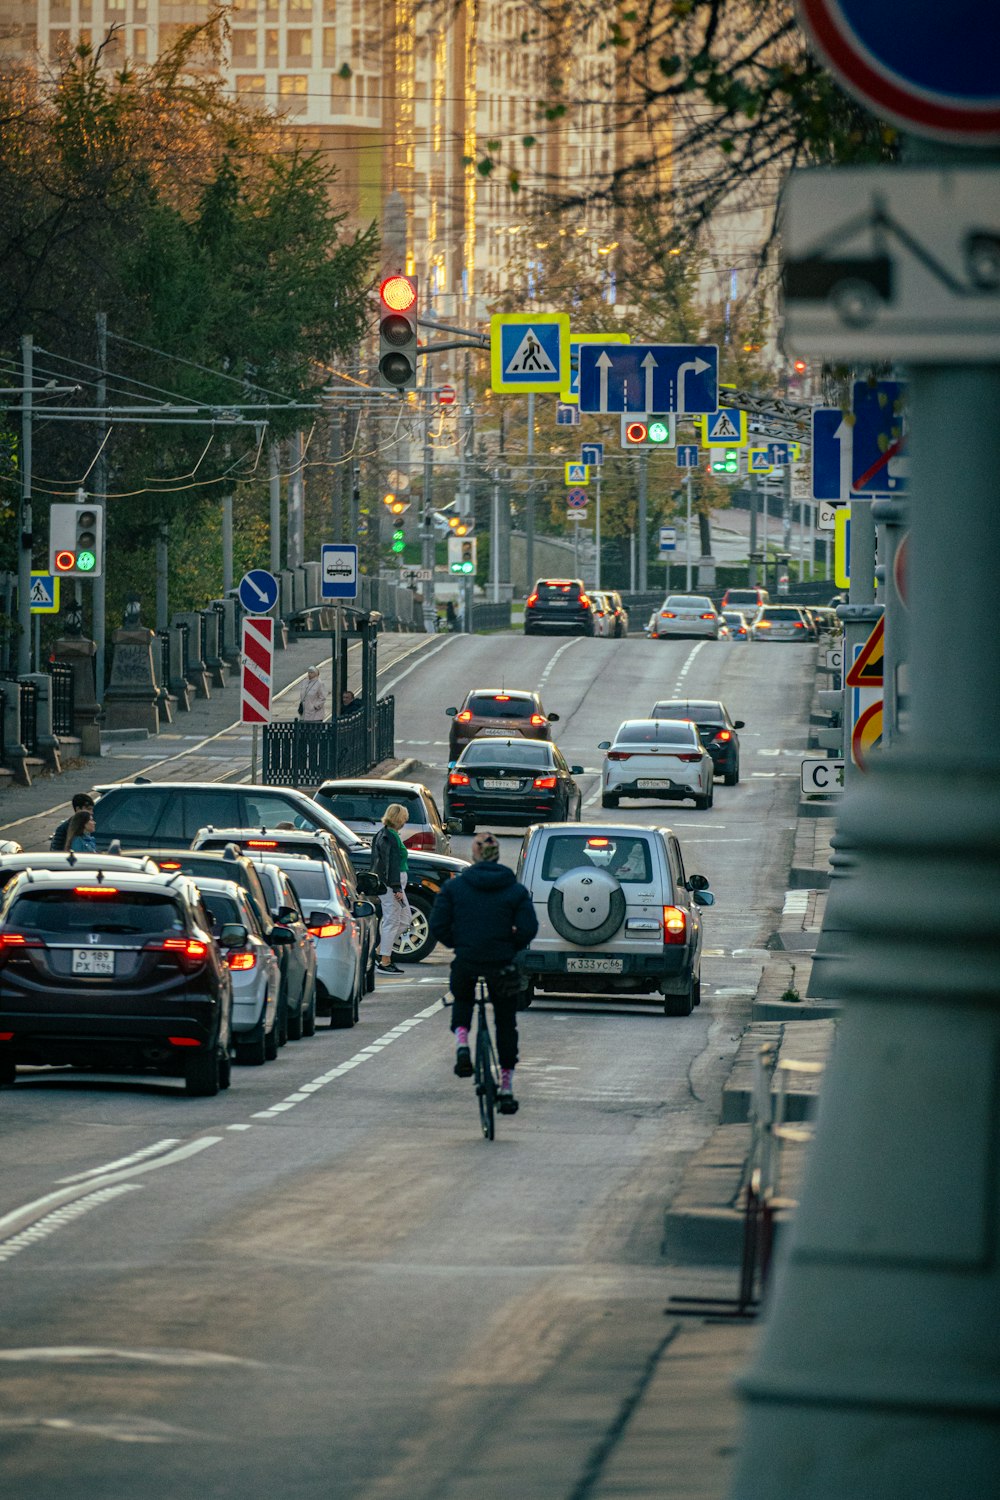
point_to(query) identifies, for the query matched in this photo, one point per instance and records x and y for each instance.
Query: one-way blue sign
(649, 377)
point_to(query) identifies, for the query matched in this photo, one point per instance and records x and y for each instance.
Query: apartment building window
(300, 6)
(249, 84)
(59, 10)
(271, 47)
(330, 9)
(300, 46)
(340, 94)
(139, 42)
(293, 90)
(244, 47)
(329, 46)
(58, 45)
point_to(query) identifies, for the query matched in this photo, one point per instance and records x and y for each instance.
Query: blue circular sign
(258, 591)
(932, 71)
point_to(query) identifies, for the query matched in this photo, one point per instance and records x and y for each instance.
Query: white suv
(617, 914)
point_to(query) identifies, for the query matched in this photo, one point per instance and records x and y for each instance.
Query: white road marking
(80, 1353)
(552, 661)
(124, 1161)
(50, 1222)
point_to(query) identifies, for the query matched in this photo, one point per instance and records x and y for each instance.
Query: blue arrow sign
(592, 454)
(566, 415)
(826, 456)
(878, 428)
(649, 377)
(258, 591)
(339, 570)
(687, 455)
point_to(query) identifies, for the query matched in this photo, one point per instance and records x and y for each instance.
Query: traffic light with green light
(75, 535)
(461, 554)
(398, 539)
(648, 432)
(728, 462)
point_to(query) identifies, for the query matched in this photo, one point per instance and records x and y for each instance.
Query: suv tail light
(538, 719)
(619, 754)
(189, 952)
(531, 601)
(457, 778)
(545, 783)
(723, 734)
(708, 617)
(95, 890)
(585, 601)
(674, 924)
(423, 840)
(464, 716)
(328, 929)
(691, 759)
(14, 941)
(241, 960)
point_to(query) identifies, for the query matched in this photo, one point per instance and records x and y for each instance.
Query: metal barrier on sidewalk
(304, 754)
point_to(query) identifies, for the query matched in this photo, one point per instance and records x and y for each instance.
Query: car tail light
(95, 890)
(723, 734)
(674, 924)
(763, 624)
(457, 778)
(585, 601)
(328, 929)
(183, 1041)
(598, 843)
(708, 617)
(798, 625)
(619, 754)
(691, 759)
(190, 952)
(667, 614)
(18, 940)
(545, 783)
(538, 719)
(261, 844)
(531, 601)
(501, 698)
(6, 1036)
(241, 960)
(423, 840)
(464, 716)
(169, 864)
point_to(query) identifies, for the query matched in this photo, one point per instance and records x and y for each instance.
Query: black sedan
(512, 781)
(716, 729)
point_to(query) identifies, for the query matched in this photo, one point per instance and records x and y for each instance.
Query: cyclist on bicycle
(488, 918)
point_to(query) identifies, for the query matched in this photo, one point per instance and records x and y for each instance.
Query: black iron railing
(62, 683)
(491, 616)
(299, 754)
(163, 676)
(29, 716)
(385, 729)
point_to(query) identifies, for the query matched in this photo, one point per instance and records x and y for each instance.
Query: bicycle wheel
(487, 1078)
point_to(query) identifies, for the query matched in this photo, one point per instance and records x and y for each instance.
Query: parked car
(687, 615)
(617, 914)
(360, 803)
(717, 731)
(749, 600)
(254, 970)
(558, 604)
(298, 959)
(739, 626)
(114, 970)
(827, 619)
(781, 622)
(338, 936)
(169, 814)
(14, 864)
(604, 620)
(511, 781)
(656, 758)
(619, 615)
(498, 712)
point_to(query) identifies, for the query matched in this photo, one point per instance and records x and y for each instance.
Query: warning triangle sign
(530, 357)
(720, 426)
(868, 667)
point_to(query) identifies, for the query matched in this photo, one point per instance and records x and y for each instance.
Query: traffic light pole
(597, 526)
(427, 519)
(24, 537)
(642, 525)
(99, 596)
(687, 534)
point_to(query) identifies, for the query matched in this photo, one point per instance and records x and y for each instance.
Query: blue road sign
(668, 540)
(576, 499)
(780, 454)
(592, 454)
(687, 455)
(258, 591)
(566, 415)
(879, 462)
(649, 377)
(529, 352)
(338, 570)
(826, 422)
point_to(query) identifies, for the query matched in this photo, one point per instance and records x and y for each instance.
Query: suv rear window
(660, 732)
(558, 590)
(309, 885)
(780, 612)
(489, 752)
(626, 858)
(65, 911)
(500, 706)
(367, 807)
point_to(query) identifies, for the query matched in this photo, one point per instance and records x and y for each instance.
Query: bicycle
(486, 1068)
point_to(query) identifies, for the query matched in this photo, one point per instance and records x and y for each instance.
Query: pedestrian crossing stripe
(530, 357)
(726, 427)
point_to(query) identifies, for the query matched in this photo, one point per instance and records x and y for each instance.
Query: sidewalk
(206, 744)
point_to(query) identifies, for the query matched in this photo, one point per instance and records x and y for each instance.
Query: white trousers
(396, 918)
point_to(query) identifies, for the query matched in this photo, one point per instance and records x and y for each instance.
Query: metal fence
(29, 716)
(62, 689)
(163, 675)
(300, 754)
(490, 616)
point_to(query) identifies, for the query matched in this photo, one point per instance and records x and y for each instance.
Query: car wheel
(296, 1023)
(370, 972)
(309, 1016)
(680, 1005)
(281, 1020)
(203, 1074)
(704, 803)
(416, 942)
(271, 1042)
(468, 825)
(344, 1013)
(609, 799)
(251, 1050)
(696, 990)
(8, 1071)
(732, 777)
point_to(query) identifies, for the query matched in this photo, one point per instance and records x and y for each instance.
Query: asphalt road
(325, 1283)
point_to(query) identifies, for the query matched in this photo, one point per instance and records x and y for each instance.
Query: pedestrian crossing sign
(529, 351)
(725, 428)
(44, 594)
(571, 387)
(760, 461)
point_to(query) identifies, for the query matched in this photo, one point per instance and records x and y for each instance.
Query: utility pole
(274, 488)
(529, 506)
(752, 569)
(162, 575)
(227, 543)
(98, 597)
(24, 536)
(427, 519)
(642, 540)
(495, 539)
(597, 525)
(294, 517)
(687, 533)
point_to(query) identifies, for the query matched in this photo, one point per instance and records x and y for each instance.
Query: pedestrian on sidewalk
(80, 834)
(82, 802)
(312, 698)
(451, 615)
(389, 862)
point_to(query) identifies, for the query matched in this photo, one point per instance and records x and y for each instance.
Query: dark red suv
(499, 713)
(558, 604)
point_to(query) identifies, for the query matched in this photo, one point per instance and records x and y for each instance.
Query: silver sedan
(662, 759)
(686, 615)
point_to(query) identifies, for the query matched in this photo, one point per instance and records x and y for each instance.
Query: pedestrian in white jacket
(312, 698)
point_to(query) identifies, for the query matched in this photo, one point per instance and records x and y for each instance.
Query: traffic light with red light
(648, 431)
(397, 334)
(76, 540)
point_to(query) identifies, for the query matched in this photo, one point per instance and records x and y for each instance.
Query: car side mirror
(453, 825)
(451, 712)
(233, 935)
(604, 745)
(287, 914)
(553, 718)
(576, 770)
(280, 934)
(367, 883)
(697, 883)
(740, 723)
(364, 909)
(704, 898)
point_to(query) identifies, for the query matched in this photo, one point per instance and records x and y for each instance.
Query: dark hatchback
(558, 604)
(716, 729)
(510, 781)
(117, 972)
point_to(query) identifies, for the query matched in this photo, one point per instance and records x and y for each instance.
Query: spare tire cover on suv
(586, 906)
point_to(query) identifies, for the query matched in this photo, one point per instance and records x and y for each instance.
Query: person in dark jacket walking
(82, 802)
(488, 918)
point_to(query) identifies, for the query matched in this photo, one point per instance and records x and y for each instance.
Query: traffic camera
(397, 332)
(461, 554)
(76, 534)
(647, 432)
(728, 462)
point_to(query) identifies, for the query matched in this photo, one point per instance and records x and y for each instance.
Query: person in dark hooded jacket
(488, 918)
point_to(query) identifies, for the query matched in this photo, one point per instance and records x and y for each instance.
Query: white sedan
(685, 615)
(663, 759)
(340, 974)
